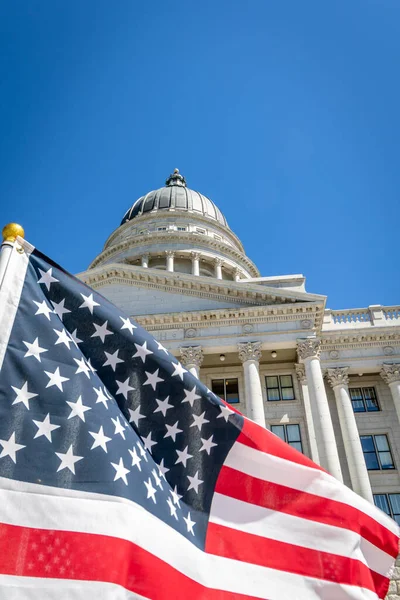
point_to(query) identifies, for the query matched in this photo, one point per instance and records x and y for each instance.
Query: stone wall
(394, 586)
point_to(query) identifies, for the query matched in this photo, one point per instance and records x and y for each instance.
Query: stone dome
(175, 196)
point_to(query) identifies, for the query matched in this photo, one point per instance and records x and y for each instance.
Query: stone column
(191, 358)
(301, 376)
(236, 274)
(250, 354)
(218, 268)
(195, 263)
(170, 260)
(308, 350)
(339, 380)
(145, 261)
(391, 375)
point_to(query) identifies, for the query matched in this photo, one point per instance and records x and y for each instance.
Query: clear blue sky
(285, 113)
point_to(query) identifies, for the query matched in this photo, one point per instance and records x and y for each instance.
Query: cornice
(353, 340)
(184, 214)
(203, 242)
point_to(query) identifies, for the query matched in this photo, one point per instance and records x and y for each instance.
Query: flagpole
(9, 233)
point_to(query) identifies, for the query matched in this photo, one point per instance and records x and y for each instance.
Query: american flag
(122, 474)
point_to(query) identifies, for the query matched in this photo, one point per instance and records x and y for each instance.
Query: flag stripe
(306, 506)
(99, 558)
(42, 507)
(15, 587)
(273, 554)
(283, 527)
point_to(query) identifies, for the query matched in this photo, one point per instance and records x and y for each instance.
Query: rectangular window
(364, 399)
(279, 387)
(289, 434)
(202, 231)
(377, 452)
(163, 228)
(142, 231)
(217, 237)
(227, 389)
(179, 228)
(390, 504)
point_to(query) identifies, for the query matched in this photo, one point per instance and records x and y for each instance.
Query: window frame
(224, 379)
(181, 228)
(162, 227)
(280, 387)
(285, 426)
(201, 231)
(377, 452)
(364, 400)
(391, 512)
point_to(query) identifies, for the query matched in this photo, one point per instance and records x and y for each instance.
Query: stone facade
(290, 361)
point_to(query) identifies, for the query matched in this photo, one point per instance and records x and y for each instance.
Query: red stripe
(257, 437)
(277, 497)
(273, 554)
(83, 556)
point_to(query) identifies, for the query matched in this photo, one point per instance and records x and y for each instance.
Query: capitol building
(325, 381)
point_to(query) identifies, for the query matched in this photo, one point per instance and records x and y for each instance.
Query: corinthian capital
(309, 347)
(191, 355)
(301, 372)
(338, 376)
(390, 373)
(249, 351)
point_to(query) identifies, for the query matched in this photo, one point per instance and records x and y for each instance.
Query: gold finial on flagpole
(11, 231)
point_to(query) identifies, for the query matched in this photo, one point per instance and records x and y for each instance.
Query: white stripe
(10, 290)
(13, 587)
(99, 514)
(274, 469)
(289, 529)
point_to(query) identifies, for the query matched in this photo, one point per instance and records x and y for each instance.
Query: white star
(101, 331)
(47, 278)
(161, 347)
(83, 367)
(43, 309)
(34, 350)
(23, 395)
(172, 431)
(88, 302)
(101, 397)
(189, 523)
(179, 370)
(153, 379)
(163, 406)
(135, 458)
(135, 416)
(207, 444)
(183, 456)
(194, 482)
(172, 508)
(112, 360)
(142, 351)
(63, 337)
(56, 379)
(148, 442)
(10, 448)
(162, 469)
(199, 421)
(45, 428)
(60, 309)
(191, 396)
(68, 460)
(142, 451)
(124, 388)
(74, 336)
(100, 439)
(78, 409)
(175, 496)
(151, 491)
(121, 472)
(225, 412)
(157, 479)
(127, 324)
(119, 428)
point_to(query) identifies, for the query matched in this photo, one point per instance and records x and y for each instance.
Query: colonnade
(323, 445)
(217, 262)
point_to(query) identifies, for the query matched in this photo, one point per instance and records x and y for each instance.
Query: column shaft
(195, 263)
(250, 354)
(145, 261)
(301, 375)
(170, 261)
(218, 268)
